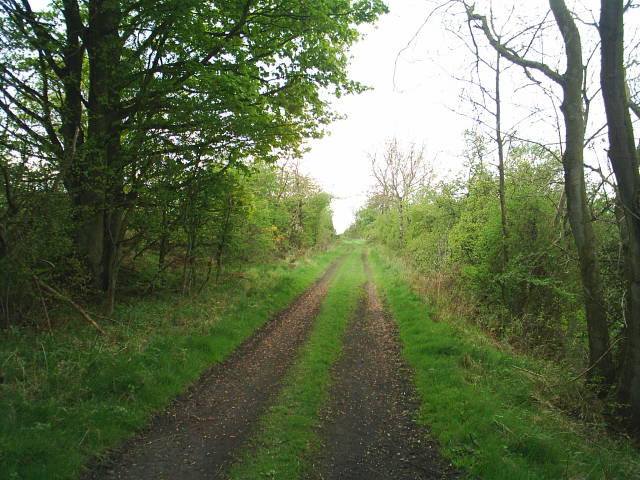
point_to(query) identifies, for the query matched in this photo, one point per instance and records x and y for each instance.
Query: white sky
(421, 106)
(417, 109)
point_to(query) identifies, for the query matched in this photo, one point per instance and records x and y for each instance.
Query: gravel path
(201, 431)
(369, 430)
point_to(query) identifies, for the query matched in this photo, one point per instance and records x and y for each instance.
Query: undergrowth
(483, 404)
(559, 381)
(286, 435)
(69, 395)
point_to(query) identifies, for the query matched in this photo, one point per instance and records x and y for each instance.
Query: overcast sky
(417, 108)
(415, 97)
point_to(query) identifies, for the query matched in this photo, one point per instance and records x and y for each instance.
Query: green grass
(286, 433)
(481, 406)
(71, 394)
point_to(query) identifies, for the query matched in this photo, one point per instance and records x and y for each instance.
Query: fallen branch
(73, 304)
(582, 374)
(530, 372)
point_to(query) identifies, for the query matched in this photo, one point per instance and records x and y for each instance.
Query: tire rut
(369, 428)
(198, 435)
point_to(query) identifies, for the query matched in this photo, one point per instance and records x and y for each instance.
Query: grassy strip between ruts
(477, 401)
(70, 394)
(286, 433)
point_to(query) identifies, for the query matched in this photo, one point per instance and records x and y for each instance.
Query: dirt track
(369, 429)
(205, 426)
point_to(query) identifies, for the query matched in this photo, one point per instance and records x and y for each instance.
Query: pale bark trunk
(501, 181)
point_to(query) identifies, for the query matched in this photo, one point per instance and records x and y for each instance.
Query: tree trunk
(102, 201)
(600, 357)
(164, 243)
(501, 183)
(71, 116)
(501, 186)
(186, 264)
(401, 221)
(224, 234)
(115, 224)
(80, 177)
(624, 160)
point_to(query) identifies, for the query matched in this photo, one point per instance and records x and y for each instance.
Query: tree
(102, 92)
(571, 82)
(494, 109)
(624, 160)
(497, 133)
(398, 175)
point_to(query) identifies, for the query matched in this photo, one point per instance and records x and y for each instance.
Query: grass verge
(479, 403)
(286, 436)
(71, 394)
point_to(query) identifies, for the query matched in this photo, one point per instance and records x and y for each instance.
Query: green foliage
(189, 229)
(530, 282)
(145, 119)
(480, 403)
(35, 239)
(286, 436)
(525, 285)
